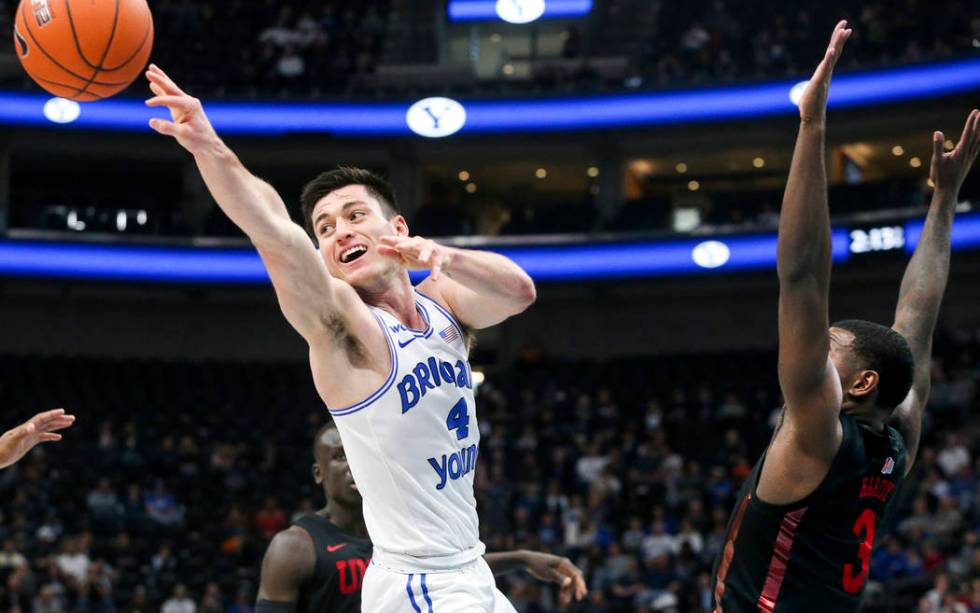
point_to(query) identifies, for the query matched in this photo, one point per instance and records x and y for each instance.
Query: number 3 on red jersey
(864, 528)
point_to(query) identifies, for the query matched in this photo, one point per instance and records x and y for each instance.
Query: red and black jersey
(812, 555)
(341, 561)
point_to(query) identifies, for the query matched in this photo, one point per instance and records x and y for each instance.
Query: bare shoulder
(437, 290)
(291, 552)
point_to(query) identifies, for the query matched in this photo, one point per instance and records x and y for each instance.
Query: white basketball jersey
(412, 447)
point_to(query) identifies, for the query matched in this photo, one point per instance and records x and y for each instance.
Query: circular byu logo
(436, 117)
(520, 11)
(60, 110)
(711, 254)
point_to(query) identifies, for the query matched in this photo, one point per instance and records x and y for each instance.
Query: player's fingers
(974, 138)
(47, 437)
(385, 250)
(425, 254)
(937, 145)
(966, 132)
(182, 103)
(167, 128)
(437, 269)
(167, 81)
(156, 89)
(60, 423)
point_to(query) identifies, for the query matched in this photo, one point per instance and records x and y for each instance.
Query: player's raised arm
(288, 563)
(304, 288)
(481, 288)
(543, 566)
(808, 379)
(925, 277)
(41, 428)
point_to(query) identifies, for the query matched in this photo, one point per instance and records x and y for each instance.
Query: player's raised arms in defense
(807, 376)
(925, 277)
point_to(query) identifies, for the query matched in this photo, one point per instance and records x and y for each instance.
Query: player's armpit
(288, 562)
(311, 300)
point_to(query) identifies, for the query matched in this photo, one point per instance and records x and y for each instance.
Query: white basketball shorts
(470, 589)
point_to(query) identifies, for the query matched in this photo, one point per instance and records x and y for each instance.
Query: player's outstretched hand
(41, 428)
(417, 253)
(948, 170)
(190, 125)
(557, 569)
(813, 103)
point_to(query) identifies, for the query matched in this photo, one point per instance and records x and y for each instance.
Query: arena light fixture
(631, 110)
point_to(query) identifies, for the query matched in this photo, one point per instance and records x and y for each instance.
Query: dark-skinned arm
(288, 563)
(807, 377)
(543, 566)
(924, 283)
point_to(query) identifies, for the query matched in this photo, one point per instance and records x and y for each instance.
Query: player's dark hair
(886, 352)
(316, 438)
(341, 177)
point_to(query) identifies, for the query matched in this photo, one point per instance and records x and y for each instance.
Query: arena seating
(629, 467)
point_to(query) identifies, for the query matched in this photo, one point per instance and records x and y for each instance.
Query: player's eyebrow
(347, 206)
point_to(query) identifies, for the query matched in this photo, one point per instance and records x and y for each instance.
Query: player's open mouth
(352, 254)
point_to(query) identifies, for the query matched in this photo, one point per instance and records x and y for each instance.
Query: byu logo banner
(436, 117)
(520, 11)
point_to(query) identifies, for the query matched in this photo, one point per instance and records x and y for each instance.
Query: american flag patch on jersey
(450, 335)
(888, 467)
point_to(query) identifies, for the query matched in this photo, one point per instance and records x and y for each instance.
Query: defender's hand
(948, 170)
(417, 253)
(190, 126)
(813, 103)
(556, 569)
(14, 444)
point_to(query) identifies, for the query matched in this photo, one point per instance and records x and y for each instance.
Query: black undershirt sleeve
(271, 606)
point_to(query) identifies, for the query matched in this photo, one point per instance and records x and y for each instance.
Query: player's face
(332, 471)
(348, 224)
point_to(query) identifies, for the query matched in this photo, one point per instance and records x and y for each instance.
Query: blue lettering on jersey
(429, 375)
(455, 465)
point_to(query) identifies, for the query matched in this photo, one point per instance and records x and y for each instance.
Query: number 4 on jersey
(459, 420)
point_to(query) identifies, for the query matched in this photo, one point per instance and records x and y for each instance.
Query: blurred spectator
(179, 602)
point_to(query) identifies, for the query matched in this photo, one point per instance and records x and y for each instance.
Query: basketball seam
(67, 86)
(105, 52)
(146, 36)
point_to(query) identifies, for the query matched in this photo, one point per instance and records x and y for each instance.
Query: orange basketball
(83, 49)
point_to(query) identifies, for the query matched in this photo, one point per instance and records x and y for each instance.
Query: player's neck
(398, 299)
(347, 518)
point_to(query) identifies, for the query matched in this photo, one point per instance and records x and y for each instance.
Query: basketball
(83, 50)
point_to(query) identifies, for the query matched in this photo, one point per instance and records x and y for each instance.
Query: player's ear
(864, 384)
(401, 226)
(317, 474)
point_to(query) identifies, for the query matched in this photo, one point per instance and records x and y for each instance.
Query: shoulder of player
(291, 553)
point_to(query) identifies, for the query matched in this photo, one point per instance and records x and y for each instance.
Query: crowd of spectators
(303, 48)
(166, 492)
(719, 41)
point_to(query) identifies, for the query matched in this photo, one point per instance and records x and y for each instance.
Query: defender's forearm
(251, 203)
(492, 275)
(804, 249)
(925, 277)
(503, 562)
